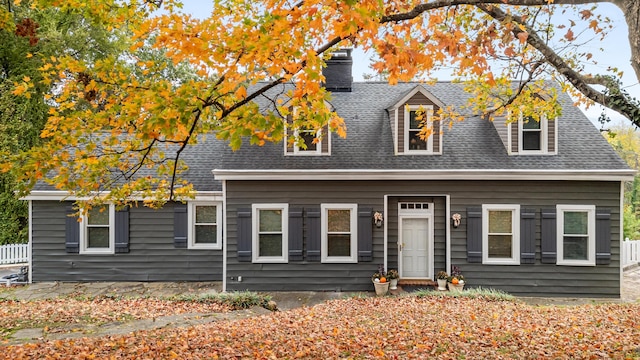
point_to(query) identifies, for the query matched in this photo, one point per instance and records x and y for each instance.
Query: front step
(414, 284)
(417, 282)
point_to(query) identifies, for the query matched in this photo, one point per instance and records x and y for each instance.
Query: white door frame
(416, 214)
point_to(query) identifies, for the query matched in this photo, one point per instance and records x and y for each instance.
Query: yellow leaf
(241, 93)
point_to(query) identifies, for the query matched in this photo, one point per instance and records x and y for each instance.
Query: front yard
(413, 326)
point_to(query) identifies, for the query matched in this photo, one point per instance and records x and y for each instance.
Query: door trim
(413, 213)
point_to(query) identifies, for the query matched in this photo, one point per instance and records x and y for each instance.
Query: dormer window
(409, 116)
(528, 136)
(416, 117)
(306, 142)
(532, 134)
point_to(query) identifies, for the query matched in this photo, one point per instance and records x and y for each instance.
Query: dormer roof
(411, 93)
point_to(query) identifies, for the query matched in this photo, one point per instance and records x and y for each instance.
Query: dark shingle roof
(471, 144)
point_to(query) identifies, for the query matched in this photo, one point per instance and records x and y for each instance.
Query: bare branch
(614, 97)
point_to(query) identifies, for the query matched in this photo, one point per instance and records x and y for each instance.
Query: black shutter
(296, 234)
(180, 226)
(314, 234)
(244, 235)
(365, 234)
(72, 231)
(603, 236)
(122, 230)
(548, 236)
(527, 236)
(474, 235)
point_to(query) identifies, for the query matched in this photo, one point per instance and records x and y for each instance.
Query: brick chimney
(337, 74)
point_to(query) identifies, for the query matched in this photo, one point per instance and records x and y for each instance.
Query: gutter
(423, 174)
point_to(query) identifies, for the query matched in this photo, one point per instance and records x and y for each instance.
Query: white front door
(414, 249)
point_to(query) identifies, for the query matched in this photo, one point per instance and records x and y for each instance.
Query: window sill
(501, 262)
(205, 247)
(97, 252)
(576, 263)
(270, 261)
(339, 260)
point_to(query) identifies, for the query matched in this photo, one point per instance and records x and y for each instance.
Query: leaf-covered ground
(404, 327)
(58, 313)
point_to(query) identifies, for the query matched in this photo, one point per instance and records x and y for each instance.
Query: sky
(615, 53)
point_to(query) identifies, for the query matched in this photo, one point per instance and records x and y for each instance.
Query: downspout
(447, 233)
(29, 251)
(224, 236)
(621, 237)
(385, 231)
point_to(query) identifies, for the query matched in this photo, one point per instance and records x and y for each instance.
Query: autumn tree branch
(614, 97)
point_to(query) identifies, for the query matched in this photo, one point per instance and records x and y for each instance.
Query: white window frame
(428, 110)
(325, 258)
(84, 225)
(515, 238)
(255, 233)
(591, 228)
(191, 220)
(297, 150)
(544, 136)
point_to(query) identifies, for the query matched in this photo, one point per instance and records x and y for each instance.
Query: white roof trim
(415, 90)
(64, 195)
(424, 174)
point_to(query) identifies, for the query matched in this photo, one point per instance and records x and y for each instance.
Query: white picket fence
(14, 254)
(630, 252)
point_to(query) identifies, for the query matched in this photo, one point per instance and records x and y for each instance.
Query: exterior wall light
(456, 220)
(378, 219)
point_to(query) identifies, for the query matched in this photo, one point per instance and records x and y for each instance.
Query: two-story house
(539, 205)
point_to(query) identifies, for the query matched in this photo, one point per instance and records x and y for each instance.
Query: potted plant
(456, 280)
(380, 281)
(441, 278)
(393, 276)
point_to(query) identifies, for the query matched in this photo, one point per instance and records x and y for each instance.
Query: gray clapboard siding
(151, 257)
(527, 279)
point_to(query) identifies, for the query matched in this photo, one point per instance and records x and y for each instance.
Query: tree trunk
(631, 10)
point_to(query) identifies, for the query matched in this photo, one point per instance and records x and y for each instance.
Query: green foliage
(472, 293)
(631, 223)
(39, 34)
(235, 300)
(626, 142)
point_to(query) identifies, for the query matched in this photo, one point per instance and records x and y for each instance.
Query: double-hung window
(576, 241)
(311, 141)
(270, 233)
(533, 135)
(417, 118)
(501, 234)
(97, 234)
(205, 231)
(339, 233)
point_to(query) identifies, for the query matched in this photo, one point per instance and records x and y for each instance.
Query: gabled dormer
(408, 116)
(524, 135)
